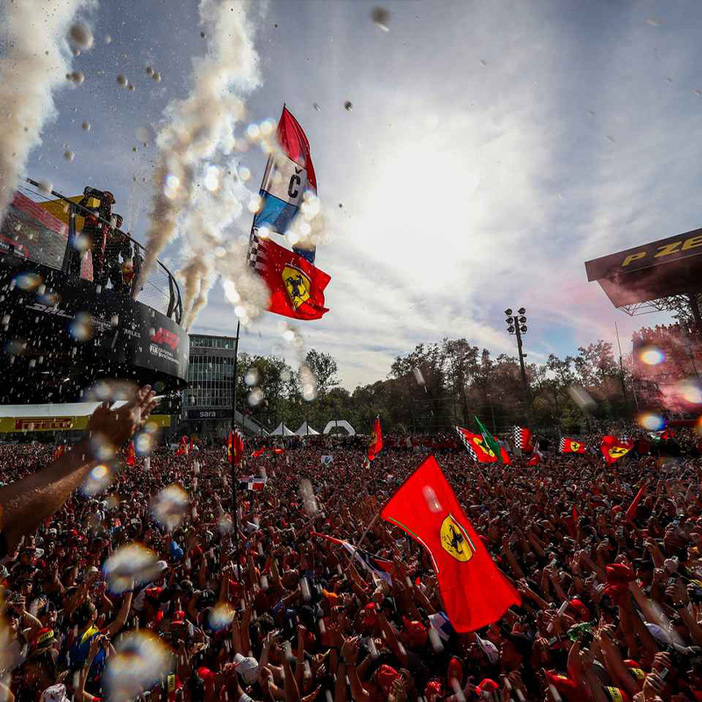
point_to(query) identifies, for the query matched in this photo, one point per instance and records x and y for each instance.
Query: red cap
(581, 609)
(563, 684)
(433, 690)
(370, 616)
(416, 633)
(205, 674)
(385, 676)
(487, 685)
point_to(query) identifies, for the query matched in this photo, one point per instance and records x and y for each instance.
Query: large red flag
(473, 589)
(296, 286)
(235, 447)
(376, 440)
(475, 445)
(569, 445)
(613, 448)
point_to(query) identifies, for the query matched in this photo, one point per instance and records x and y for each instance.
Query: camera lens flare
(651, 355)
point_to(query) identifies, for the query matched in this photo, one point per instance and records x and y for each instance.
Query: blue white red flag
(288, 176)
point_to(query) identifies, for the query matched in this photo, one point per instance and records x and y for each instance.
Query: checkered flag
(523, 439)
(255, 255)
(562, 445)
(467, 444)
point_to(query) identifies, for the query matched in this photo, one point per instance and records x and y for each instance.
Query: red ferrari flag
(476, 447)
(183, 447)
(59, 451)
(130, 454)
(235, 447)
(376, 440)
(613, 448)
(523, 439)
(631, 512)
(258, 452)
(569, 445)
(296, 286)
(535, 459)
(473, 589)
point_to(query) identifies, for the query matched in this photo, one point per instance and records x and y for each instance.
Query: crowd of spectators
(611, 607)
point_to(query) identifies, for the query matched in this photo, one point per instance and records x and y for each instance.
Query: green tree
(324, 368)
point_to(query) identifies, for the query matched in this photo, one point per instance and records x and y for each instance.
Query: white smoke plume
(35, 63)
(199, 134)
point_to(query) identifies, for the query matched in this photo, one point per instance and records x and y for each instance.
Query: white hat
(489, 649)
(55, 693)
(247, 667)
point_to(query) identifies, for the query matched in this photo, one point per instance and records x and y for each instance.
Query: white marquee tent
(306, 430)
(282, 430)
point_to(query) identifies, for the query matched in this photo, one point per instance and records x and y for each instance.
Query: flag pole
(230, 454)
(368, 528)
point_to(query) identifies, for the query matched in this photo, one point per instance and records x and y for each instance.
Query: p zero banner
(665, 267)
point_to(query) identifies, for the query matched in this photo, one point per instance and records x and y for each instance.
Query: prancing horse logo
(455, 540)
(297, 285)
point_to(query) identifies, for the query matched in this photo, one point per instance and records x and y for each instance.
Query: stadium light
(516, 324)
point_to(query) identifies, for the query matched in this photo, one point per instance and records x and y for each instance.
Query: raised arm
(26, 503)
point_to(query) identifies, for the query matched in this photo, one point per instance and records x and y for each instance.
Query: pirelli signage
(668, 250)
(12, 425)
(662, 268)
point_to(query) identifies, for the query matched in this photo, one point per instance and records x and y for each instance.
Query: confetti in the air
(381, 18)
(81, 36)
(131, 564)
(141, 659)
(170, 506)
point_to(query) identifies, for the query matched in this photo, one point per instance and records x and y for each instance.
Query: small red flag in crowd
(473, 589)
(235, 447)
(258, 452)
(631, 512)
(613, 448)
(59, 451)
(182, 447)
(569, 445)
(376, 440)
(523, 439)
(476, 447)
(535, 459)
(130, 454)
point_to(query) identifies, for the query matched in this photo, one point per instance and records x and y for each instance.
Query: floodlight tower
(516, 324)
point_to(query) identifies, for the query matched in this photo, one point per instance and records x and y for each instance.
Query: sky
(492, 148)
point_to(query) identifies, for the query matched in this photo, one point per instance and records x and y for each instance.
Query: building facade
(207, 402)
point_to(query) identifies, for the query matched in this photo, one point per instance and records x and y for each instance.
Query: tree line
(439, 385)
